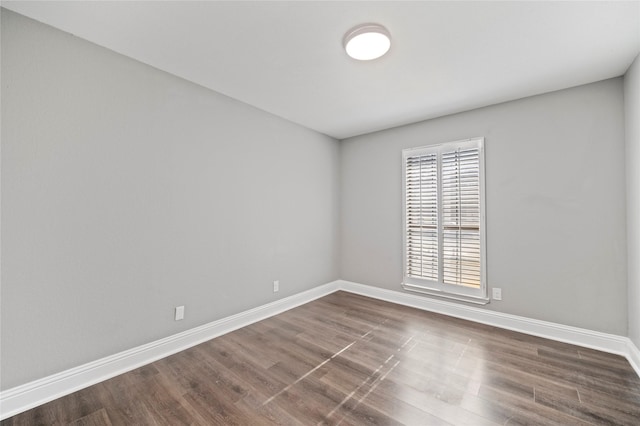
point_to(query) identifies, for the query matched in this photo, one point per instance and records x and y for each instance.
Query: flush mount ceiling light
(367, 41)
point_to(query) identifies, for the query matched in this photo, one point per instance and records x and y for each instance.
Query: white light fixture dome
(367, 41)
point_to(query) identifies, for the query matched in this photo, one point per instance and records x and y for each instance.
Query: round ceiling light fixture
(367, 41)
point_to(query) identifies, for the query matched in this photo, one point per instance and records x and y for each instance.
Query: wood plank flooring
(350, 360)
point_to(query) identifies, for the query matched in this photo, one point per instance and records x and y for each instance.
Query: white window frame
(438, 287)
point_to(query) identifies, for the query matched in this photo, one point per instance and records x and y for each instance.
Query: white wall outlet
(276, 286)
(179, 313)
(497, 294)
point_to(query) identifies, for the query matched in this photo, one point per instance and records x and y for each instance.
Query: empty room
(320, 212)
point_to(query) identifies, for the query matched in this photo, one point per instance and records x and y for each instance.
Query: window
(444, 241)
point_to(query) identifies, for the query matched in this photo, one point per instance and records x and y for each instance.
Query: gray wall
(555, 184)
(127, 191)
(632, 137)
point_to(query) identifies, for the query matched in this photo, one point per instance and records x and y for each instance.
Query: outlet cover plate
(179, 313)
(497, 294)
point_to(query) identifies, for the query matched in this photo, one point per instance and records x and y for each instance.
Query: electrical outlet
(179, 313)
(276, 286)
(497, 294)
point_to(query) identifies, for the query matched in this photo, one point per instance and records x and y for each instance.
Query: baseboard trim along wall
(21, 398)
(633, 356)
(24, 397)
(610, 343)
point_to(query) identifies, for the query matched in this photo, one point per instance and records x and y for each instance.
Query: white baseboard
(634, 356)
(24, 397)
(610, 343)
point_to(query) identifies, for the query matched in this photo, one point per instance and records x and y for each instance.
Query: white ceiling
(287, 58)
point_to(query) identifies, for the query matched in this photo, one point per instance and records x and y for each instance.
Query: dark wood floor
(350, 360)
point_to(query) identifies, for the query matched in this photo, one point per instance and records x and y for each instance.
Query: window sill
(451, 296)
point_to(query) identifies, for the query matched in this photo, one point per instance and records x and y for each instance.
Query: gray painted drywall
(127, 191)
(555, 185)
(632, 141)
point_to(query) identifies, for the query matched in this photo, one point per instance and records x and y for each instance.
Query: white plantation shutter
(461, 217)
(444, 218)
(422, 216)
